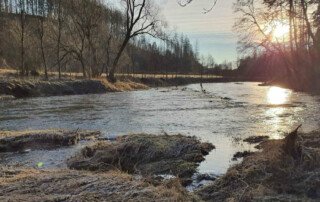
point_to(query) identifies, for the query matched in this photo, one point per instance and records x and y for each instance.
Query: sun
(280, 30)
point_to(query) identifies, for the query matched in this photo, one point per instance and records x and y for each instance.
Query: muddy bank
(145, 155)
(68, 185)
(35, 88)
(42, 139)
(285, 170)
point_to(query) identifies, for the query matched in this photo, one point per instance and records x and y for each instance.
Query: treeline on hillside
(85, 36)
(280, 40)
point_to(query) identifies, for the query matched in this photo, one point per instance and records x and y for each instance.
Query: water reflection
(274, 120)
(278, 95)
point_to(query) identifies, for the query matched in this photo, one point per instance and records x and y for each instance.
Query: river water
(223, 115)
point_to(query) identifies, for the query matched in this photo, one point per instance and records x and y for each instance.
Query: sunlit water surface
(226, 113)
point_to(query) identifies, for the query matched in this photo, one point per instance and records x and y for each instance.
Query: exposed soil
(145, 155)
(285, 170)
(42, 139)
(68, 185)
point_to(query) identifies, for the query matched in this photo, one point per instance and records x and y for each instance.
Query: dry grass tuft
(146, 155)
(124, 85)
(68, 185)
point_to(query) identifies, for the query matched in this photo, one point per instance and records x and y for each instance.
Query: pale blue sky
(212, 30)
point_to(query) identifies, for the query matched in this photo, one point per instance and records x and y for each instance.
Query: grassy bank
(69, 185)
(11, 141)
(12, 86)
(107, 168)
(35, 88)
(146, 155)
(285, 170)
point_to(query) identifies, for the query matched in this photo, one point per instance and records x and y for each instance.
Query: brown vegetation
(146, 155)
(281, 172)
(33, 88)
(41, 139)
(11, 85)
(67, 185)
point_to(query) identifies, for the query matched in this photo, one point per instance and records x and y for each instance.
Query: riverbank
(36, 88)
(70, 185)
(13, 86)
(311, 85)
(10, 89)
(148, 167)
(285, 170)
(140, 167)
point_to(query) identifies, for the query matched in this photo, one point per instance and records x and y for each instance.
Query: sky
(213, 30)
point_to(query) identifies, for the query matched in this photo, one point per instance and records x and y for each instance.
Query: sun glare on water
(277, 95)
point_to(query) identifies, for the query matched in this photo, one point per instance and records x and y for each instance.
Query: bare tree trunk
(305, 13)
(111, 76)
(83, 68)
(108, 55)
(22, 40)
(42, 48)
(59, 38)
(295, 26)
(201, 77)
(290, 24)
(90, 56)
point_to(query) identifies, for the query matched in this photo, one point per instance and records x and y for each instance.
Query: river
(223, 115)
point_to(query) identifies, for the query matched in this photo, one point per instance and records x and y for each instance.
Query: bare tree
(59, 36)
(21, 5)
(41, 33)
(184, 3)
(140, 19)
